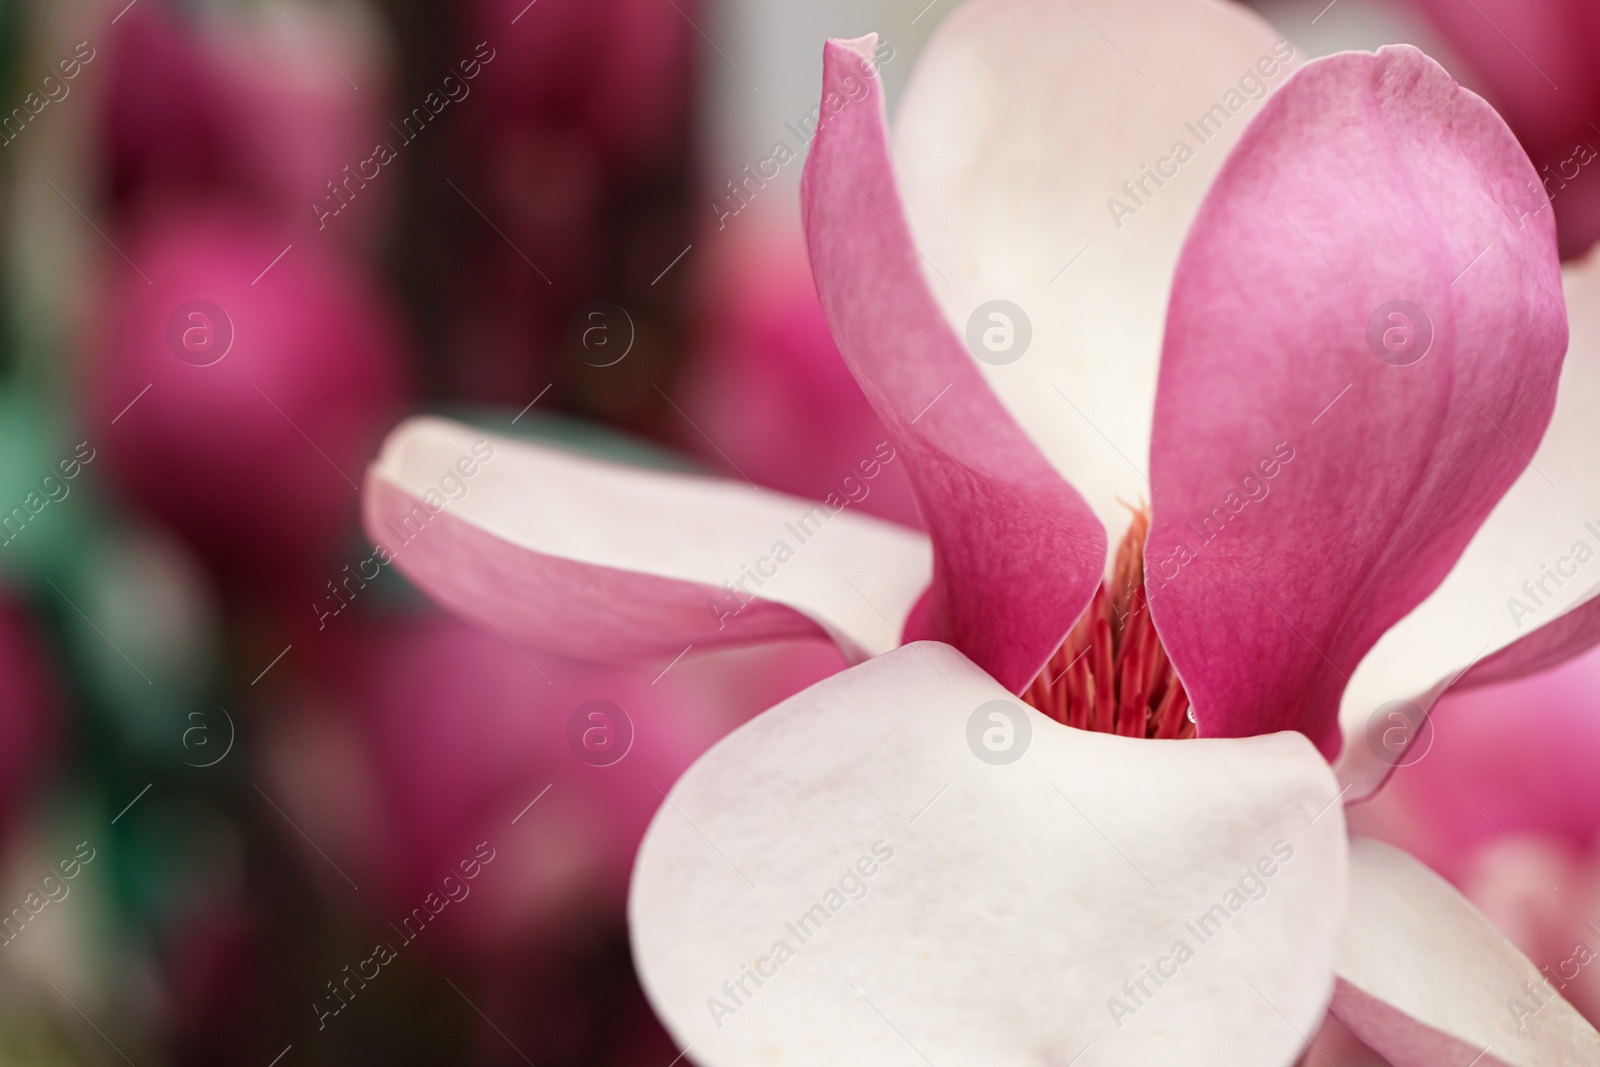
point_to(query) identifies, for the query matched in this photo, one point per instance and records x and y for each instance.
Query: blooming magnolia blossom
(902, 864)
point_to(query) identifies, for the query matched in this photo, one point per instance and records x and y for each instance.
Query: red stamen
(1111, 674)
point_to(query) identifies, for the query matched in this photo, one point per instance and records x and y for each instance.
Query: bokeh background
(243, 767)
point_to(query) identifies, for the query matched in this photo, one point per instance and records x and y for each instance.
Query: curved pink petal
(604, 562)
(1016, 551)
(904, 865)
(1425, 980)
(1521, 597)
(1308, 493)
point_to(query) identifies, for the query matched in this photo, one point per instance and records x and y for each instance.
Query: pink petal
(1521, 598)
(604, 562)
(1017, 552)
(1366, 179)
(1012, 144)
(1425, 980)
(945, 908)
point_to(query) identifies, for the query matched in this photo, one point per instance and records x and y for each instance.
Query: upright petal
(1017, 553)
(1426, 981)
(1053, 155)
(1522, 596)
(904, 865)
(605, 562)
(1362, 352)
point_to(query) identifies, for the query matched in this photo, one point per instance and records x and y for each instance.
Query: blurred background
(261, 803)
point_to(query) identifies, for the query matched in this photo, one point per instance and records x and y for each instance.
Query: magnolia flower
(1363, 334)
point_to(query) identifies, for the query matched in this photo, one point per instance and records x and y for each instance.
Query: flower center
(1111, 673)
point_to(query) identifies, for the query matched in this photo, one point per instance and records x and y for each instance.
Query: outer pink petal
(604, 562)
(1307, 494)
(1017, 552)
(1426, 981)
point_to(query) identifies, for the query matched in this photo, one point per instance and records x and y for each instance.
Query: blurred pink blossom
(253, 458)
(412, 743)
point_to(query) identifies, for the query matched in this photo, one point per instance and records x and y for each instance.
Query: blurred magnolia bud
(240, 391)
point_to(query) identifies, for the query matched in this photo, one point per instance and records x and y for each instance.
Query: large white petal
(1493, 596)
(1428, 982)
(1020, 125)
(1006, 904)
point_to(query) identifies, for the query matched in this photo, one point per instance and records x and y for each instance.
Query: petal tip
(864, 46)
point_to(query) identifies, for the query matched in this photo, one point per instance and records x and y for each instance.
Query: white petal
(1426, 980)
(1021, 123)
(1006, 904)
(602, 561)
(1493, 596)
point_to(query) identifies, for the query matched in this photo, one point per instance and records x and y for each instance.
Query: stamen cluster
(1111, 673)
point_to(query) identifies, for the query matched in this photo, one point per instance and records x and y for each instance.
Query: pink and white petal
(936, 906)
(1308, 493)
(1016, 552)
(1019, 127)
(1521, 598)
(1425, 979)
(606, 562)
